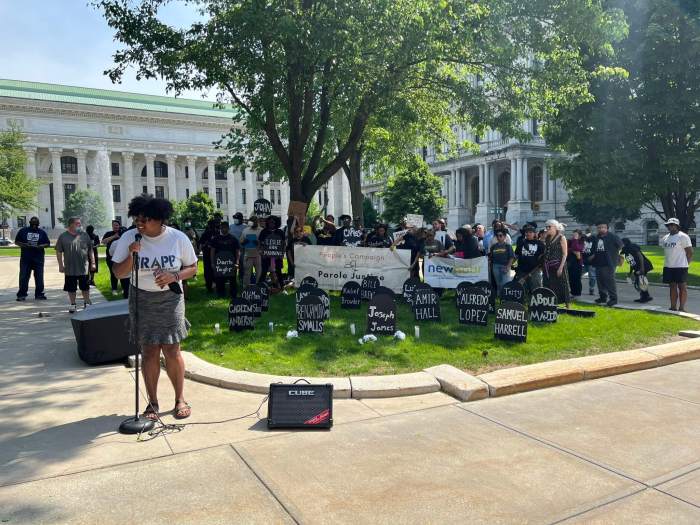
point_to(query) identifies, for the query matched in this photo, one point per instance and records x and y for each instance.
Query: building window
(160, 192)
(205, 190)
(69, 165)
(243, 196)
(187, 193)
(474, 193)
(279, 196)
(536, 185)
(219, 197)
(21, 221)
(187, 172)
(243, 175)
(68, 190)
(145, 190)
(259, 177)
(116, 193)
(503, 189)
(115, 169)
(219, 171)
(160, 170)
(261, 195)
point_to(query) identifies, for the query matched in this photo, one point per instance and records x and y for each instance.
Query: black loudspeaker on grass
(300, 405)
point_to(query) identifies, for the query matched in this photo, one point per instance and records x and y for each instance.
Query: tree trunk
(353, 171)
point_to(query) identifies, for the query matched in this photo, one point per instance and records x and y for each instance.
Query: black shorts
(72, 282)
(675, 275)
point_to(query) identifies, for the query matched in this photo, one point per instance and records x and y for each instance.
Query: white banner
(446, 272)
(333, 266)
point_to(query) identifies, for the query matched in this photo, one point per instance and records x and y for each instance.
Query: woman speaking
(165, 257)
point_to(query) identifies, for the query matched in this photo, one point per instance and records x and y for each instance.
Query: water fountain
(104, 184)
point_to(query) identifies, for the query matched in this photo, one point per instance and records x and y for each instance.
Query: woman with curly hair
(165, 258)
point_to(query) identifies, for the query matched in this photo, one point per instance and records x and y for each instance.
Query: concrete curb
(456, 382)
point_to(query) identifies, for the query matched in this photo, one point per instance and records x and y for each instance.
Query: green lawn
(656, 255)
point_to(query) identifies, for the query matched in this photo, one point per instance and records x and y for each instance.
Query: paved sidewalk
(623, 449)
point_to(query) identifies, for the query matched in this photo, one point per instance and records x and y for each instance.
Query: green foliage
(87, 205)
(17, 191)
(313, 211)
(308, 77)
(638, 143)
(370, 215)
(590, 211)
(413, 189)
(196, 210)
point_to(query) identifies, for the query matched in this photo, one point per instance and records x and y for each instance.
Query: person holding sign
(298, 237)
(501, 255)
(225, 251)
(271, 242)
(349, 234)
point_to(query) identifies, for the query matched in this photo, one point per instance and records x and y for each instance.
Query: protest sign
(309, 280)
(240, 315)
(304, 290)
(543, 306)
(368, 287)
(409, 288)
(426, 304)
(310, 315)
(265, 296)
(472, 304)
(297, 209)
(253, 294)
(513, 291)
(224, 264)
(511, 322)
(325, 300)
(333, 266)
(448, 272)
(273, 245)
(262, 208)
(414, 220)
(350, 295)
(381, 315)
(384, 290)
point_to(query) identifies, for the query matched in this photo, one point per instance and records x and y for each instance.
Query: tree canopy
(87, 205)
(413, 189)
(196, 211)
(307, 76)
(17, 191)
(638, 143)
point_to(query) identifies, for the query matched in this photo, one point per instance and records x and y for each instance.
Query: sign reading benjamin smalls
(368, 287)
(513, 291)
(325, 301)
(273, 246)
(224, 264)
(240, 315)
(262, 208)
(472, 305)
(253, 294)
(426, 303)
(511, 322)
(350, 295)
(543, 306)
(333, 266)
(409, 288)
(310, 315)
(381, 315)
(304, 290)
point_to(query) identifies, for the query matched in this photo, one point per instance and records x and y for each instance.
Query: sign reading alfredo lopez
(448, 272)
(333, 266)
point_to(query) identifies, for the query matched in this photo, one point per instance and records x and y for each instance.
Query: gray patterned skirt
(161, 317)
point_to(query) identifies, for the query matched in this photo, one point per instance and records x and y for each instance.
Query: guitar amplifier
(300, 406)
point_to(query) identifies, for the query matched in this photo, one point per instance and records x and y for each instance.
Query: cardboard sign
(253, 294)
(426, 304)
(297, 209)
(240, 315)
(381, 315)
(543, 306)
(384, 290)
(265, 294)
(325, 301)
(262, 208)
(309, 280)
(310, 315)
(472, 305)
(368, 287)
(409, 288)
(225, 264)
(513, 291)
(350, 295)
(273, 246)
(413, 219)
(352, 236)
(511, 322)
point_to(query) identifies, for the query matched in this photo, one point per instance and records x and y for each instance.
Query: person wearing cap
(678, 252)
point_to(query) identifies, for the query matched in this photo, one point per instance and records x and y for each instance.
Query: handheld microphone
(138, 237)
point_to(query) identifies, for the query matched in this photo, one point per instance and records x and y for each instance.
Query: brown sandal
(183, 412)
(151, 412)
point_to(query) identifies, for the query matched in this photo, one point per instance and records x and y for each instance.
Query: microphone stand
(136, 424)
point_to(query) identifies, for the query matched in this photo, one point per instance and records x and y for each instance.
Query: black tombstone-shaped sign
(310, 315)
(308, 280)
(369, 286)
(253, 294)
(224, 264)
(262, 208)
(543, 306)
(265, 295)
(273, 246)
(472, 305)
(304, 290)
(384, 290)
(511, 322)
(409, 287)
(485, 287)
(426, 303)
(381, 315)
(240, 315)
(513, 291)
(325, 300)
(462, 288)
(350, 295)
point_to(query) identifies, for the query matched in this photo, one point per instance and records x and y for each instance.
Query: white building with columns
(79, 138)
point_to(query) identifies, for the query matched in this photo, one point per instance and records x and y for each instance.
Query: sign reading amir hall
(160, 145)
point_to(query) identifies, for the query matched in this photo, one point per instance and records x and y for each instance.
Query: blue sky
(68, 42)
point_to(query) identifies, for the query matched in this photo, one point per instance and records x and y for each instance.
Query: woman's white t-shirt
(674, 250)
(169, 251)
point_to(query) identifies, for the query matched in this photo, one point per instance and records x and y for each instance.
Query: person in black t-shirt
(272, 265)
(379, 238)
(640, 266)
(348, 234)
(529, 253)
(225, 243)
(90, 230)
(108, 239)
(210, 232)
(32, 240)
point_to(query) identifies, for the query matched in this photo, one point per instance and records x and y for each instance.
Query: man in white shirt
(678, 252)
